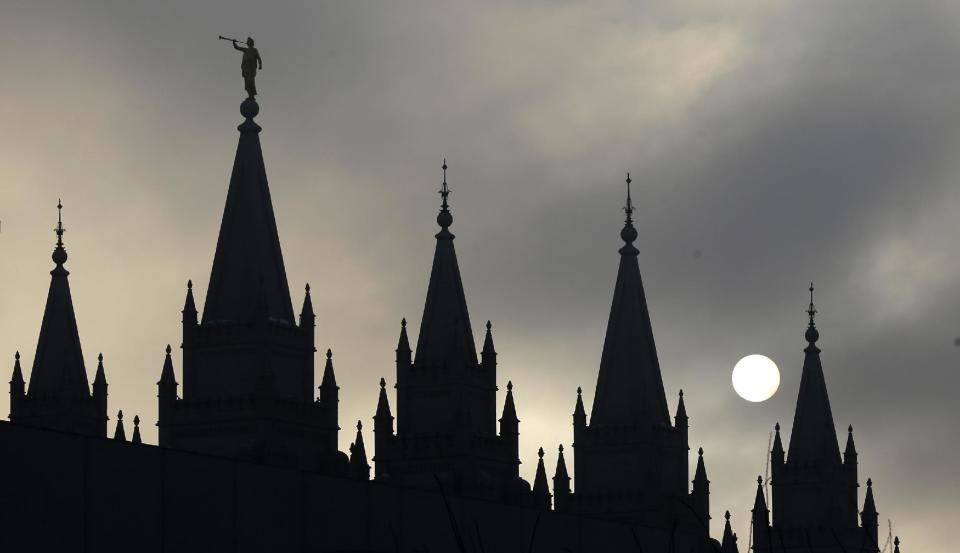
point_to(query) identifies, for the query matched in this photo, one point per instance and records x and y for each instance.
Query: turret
(167, 399)
(119, 433)
(579, 417)
(330, 398)
(510, 427)
(729, 543)
(561, 483)
(541, 490)
(851, 484)
(488, 357)
(100, 397)
(136, 430)
(17, 387)
(307, 316)
(382, 429)
(403, 347)
(189, 308)
(682, 424)
(359, 468)
(761, 519)
(700, 496)
(868, 517)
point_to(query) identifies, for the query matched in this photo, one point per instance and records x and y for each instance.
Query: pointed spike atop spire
(681, 416)
(100, 379)
(700, 477)
(869, 514)
(17, 378)
(59, 253)
(729, 542)
(403, 343)
(489, 352)
(189, 306)
(896, 544)
(168, 380)
(444, 218)
(136, 430)
(629, 233)
(509, 385)
(727, 516)
(579, 413)
(383, 383)
(851, 448)
(777, 443)
(307, 315)
(629, 207)
(812, 334)
(119, 434)
(560, 476)
(540, 453)
(359, 468)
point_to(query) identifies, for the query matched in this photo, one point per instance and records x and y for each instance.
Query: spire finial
(561, 448)
(628, 234)
(329, 353)
(812, 334)
(777, 427)
(16, 356)
(700, 452)
(509, 385)
(59, 254)
(759, 480)
(727, 516)
(869, 482)
(359, 425)
(169, 349)
(307, 288)
(629, 207)
(579, 390)
(383, 383)
(444, 218)
(540, 453)
(120, 415)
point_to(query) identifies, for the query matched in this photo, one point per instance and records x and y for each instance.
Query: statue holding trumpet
(249, 64)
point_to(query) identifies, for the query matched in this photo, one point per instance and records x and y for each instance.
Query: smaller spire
(561, 472)
(760, 503)
(166, 374)
(869, 513)
(119, 434)
(359, 467)
(100, 379)
(136, 430)
(509, 416)
(681, 416)
(541, 490)
(383, 403)
(307, 315)
(17, 377)
(701, 474)
(329, 381)
(189, 306)
(851, 450)
(777, 442)
(489, 353)
(579, 413)
(729, 542)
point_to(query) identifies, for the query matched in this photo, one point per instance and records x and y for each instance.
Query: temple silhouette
(248, 457)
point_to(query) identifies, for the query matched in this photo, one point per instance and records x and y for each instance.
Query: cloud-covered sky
(771, 143)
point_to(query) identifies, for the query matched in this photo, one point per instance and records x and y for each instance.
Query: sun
(756, 378)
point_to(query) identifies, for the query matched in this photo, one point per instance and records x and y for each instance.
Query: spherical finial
(249, 108)
(628, 234)
(16, 356)
(444, 218)
(136, 420)
(812, 334)
(169, 349)
(700, 452)
(59, 255)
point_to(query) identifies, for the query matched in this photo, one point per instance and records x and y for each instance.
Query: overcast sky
(771, 143)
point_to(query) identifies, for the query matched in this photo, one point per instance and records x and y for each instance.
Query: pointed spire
(446, 337)
(489, 354)
(17, 378)
(850, 452)
(307, 316)
(729, 543)
(813, 439)
(896, 544)
(136, 430)
(403, 347)
(167, 378)
(760, 503)
(629, 384)
(100, 379)
(329, 378)
(777, 443)
(509, 415)
(579, 414)
(869, 513)
(541, 490)
(119, 434)
(383, 404)
(248, 247)
(359, 468)
(189, 306)
(58, 367)
(700, 476)
(561, 479)
(681, 415)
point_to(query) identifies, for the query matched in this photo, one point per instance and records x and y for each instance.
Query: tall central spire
(58, 368)
(248, 266)
(814, 437)
(629, 386)
(446, 337)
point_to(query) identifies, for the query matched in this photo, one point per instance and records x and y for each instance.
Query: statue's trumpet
(228, 38)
